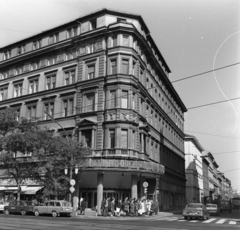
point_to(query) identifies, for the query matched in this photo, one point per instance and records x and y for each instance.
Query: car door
(50, 207)
(44, 208)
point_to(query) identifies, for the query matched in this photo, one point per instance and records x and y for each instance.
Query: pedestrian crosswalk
(211, 220)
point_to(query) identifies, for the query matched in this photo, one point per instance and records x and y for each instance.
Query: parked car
(54, 207)
(21, 206)
(195, 210)
(213, 209)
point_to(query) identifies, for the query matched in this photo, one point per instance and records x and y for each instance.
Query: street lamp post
(71, 162)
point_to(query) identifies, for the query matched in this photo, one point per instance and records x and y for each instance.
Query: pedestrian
(126, 206)
(105, 210)
(119, 207)
(137, 207)
(80, 205)
(84, 205)
(132, 207)
(103, 206)
(112, 207)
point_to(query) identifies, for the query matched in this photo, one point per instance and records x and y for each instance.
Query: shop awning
(31, 190)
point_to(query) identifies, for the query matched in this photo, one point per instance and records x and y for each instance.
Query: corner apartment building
(103, 75)
(193, 169)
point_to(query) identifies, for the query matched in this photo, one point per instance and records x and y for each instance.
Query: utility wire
(218, 102)
(211, 134)
(231, 170)
(210, 71)
(225, 152)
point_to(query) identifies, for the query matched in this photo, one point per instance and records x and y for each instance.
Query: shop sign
(145, 184)
(128, 164)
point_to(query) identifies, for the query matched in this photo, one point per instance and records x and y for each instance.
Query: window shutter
(125, 99)
(113, 99)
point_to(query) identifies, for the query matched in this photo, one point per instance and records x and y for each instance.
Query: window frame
(19, 87)
(65, 112)
(51, 76)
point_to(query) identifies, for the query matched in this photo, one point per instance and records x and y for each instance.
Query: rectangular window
(113, 99)
(69, 33)
(90, 72)
(125, 66)
(133, 68)
(93, 24)
(114, 41)
(69, 77)
(3, 94)
(56, 37)
(89, 102)
(68, 107)
(51, 81)
(133, 100)
(112, 138)
(121, 20)
(19, 50)
(114, 66)
(125, 40)
(87, 138)
(125, 99)
(51, 39)
(17, 90)
(17, 111)
(49, 107)
(133, 139)
(33, 86)
(124, 138)
(32, 112)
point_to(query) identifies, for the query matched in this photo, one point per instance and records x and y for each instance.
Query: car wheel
(6, 212)
(68, 214)
(204, 217)
(36, 213)
(23, 212)
(54, 214)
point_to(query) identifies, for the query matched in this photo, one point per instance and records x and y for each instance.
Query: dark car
(195, 210)
(21, 206)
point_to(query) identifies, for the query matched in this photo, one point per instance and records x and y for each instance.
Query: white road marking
(232, 222)
(208, 221)
(182, 220)
(221, 221)
(193, 221)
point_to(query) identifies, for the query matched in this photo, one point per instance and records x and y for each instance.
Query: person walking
(103, 206)
(84, 205)
(132, 207)
(137, 206)
(119, 207)
(105, 210)
(126, 206)
(112, 207)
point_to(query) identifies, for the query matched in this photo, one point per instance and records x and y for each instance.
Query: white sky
(188, 33)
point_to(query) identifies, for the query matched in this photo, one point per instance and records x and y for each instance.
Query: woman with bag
(119, 208)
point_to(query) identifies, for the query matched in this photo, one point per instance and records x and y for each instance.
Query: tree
(48, 154)
(67, 154)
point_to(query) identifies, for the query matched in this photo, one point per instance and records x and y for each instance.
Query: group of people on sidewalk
(132, 207)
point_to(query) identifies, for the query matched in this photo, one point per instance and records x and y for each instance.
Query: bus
(226, 205)
(236, 203)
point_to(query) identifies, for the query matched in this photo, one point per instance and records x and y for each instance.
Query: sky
(194, 37)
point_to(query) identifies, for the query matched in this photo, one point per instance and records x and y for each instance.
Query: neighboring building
(193, 169)
(213, 185)
(104, 75)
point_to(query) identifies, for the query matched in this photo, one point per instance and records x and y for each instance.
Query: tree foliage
(47, 154)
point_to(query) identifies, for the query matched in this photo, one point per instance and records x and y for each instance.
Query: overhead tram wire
(210, 71)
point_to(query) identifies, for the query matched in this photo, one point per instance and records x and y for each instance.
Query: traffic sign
(72, 189)
(72, 182)
(145, 184)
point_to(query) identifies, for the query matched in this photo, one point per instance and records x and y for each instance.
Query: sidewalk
(159, 215)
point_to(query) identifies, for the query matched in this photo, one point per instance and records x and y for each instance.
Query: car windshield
(194, 206)
(66, 204)
(211, 205)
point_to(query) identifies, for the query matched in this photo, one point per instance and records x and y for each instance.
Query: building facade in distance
(104, 76)
(193, 169)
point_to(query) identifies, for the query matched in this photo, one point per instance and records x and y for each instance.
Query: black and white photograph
(119, 114)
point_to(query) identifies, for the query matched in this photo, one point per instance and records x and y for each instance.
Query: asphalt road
(172, 222)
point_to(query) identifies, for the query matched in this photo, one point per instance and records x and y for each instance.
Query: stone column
(99, 192)
(134, 186)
